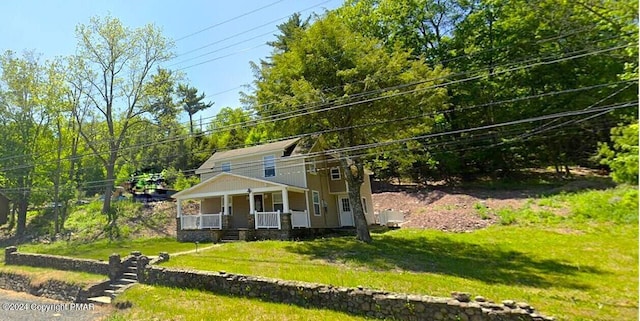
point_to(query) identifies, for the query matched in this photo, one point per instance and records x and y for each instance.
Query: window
(269, 164)
(278, 205)
(225, 167)
(335, 173)
(364, 205)
(316, 203)
(312, 167)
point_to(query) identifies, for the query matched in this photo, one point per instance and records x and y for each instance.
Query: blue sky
(48, 28)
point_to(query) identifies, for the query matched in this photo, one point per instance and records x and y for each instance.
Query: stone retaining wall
(13, 257)
(53, 289)
(360, 301)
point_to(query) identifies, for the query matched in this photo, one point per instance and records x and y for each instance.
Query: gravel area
(15, 306)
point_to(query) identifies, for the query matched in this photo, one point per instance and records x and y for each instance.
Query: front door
(259, 205)
(346, 215)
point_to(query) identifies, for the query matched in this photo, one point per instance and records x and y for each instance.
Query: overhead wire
(361, 148)
(288, 115)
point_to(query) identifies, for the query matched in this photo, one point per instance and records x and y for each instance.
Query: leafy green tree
(229, 129)
(289, 30)
(25, 114)
(483, 40)
(113, 66)
(324, 68)
(157, 143)
(191, 102)
(622, 155)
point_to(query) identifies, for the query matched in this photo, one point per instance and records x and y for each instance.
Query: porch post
(306, 197)
(225, 204)
(252, 203)
(285, 200)
(179, 216)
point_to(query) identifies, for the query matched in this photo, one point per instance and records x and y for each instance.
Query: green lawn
(101, 249)
(577, 266)
(161, 303)
(573, 256)
(39, 275)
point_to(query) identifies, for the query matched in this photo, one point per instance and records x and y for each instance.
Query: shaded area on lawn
(445, 256)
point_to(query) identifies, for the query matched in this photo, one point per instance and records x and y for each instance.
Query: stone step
(130, 275)
(102, 300)
(111, 293)
(127, 281)
(118, 286)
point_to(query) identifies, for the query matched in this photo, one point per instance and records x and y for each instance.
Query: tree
(483, 40)
(622, 156)
(25, 118)
(113, 66)
(230, 128)
(289, 30)
(336, 81)
(191, 102)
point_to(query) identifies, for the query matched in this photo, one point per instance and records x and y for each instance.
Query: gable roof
(253, 150)
(225, 183)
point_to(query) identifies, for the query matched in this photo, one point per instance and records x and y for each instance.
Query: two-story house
(278, 190)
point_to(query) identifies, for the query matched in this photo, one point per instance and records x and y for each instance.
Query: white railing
(299, 219)
(201, 221)
(190, 222)
(268, 219)
(211, 221)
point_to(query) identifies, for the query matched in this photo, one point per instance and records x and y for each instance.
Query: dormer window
(269, 165)
(225, 167)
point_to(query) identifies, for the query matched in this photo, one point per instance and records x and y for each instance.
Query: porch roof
(232, 184)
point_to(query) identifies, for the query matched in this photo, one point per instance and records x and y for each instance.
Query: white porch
(229, 201)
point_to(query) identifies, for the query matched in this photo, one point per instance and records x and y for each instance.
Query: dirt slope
(465, 209)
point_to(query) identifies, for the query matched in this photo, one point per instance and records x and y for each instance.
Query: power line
(228, 20)
(362, 148)
(288, 115)
(247, 30)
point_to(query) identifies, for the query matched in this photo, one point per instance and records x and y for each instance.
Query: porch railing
(211, 220)
(201, 221)
(268, 220)
(299, 219)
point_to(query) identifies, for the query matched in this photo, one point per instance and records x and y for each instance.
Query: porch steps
(230, 236)
(128, 278)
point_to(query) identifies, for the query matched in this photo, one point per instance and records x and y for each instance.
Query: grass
(162, 303)
(580, 264)
(41, 275)
(101, 249)
(617, 205)
(570, 255)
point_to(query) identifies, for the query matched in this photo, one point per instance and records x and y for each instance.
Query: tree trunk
(108, 189)
(354, 175)
(56, 184)
(12, 217)
(22, 214)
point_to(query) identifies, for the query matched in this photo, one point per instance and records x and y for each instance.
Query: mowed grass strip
(41, 275)
(576, 269)
(162, 303)
(101, 249)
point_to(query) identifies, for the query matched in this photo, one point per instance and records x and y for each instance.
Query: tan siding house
(274, 190)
